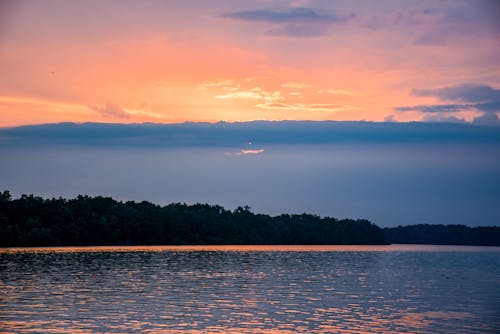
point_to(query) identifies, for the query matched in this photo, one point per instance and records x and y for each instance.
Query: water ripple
(244, 291)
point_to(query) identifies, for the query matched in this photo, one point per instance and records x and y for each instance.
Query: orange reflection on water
(244, 291)
(255, 248)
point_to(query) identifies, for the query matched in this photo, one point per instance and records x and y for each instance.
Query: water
(251, 289)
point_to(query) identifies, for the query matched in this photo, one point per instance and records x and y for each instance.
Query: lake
(250, 289)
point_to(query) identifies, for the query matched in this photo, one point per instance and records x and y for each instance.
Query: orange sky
(162, 61)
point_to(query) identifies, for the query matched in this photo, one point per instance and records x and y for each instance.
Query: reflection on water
(256, 248)
(250, 289)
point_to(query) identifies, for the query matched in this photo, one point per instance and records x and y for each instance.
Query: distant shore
(251, 248)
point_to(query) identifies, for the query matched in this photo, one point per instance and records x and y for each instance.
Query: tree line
(444, 235)
(84, 220)
(89, 221)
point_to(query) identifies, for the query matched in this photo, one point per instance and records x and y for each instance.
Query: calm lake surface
(250, 289)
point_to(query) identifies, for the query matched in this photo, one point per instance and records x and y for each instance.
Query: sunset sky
(175, 61)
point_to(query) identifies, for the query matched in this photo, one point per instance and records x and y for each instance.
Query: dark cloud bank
(237, 134)
(294, 15)
(295, 22)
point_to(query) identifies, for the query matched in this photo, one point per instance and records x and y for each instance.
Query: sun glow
(137, 66)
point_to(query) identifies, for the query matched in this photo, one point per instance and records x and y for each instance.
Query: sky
(233, 60)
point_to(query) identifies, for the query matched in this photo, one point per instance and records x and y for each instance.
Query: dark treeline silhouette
(444, 235)
(34, 221)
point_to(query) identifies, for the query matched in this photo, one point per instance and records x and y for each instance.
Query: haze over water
(251, 289)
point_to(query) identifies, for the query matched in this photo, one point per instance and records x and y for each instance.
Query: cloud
(292, 16)
(215, 84)
(437, 108)
(232, 138)
(245, 152)
(252, 151)
(111, 110)
(483, 98)
(255, 93)
(478, 19)
(240, 95)
(493, 106)
(462, 21)
(303, 106)
(276, 101)
(462, 93)
(294, 22)
(409, 18)
(436, 24)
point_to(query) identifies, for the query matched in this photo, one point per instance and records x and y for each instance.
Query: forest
(444, 235)
(34, 221)
(90, 221)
